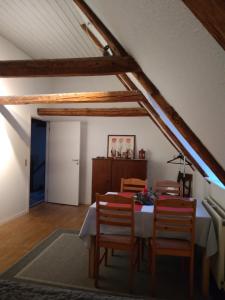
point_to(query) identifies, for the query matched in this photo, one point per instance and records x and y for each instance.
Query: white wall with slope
(94, 132)
(15, 124)
(178, 54)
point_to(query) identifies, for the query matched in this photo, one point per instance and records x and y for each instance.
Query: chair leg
(131, 275)
(191, 275)
(142, 242)
(149, 256)
(137, 261)
(97, 258)
(152, 270)
(106, 257)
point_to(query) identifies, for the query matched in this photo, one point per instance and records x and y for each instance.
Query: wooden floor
(19, 236)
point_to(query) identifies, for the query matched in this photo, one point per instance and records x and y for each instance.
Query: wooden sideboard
(107, 173)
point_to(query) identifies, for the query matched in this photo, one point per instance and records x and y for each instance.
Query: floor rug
(62, 260)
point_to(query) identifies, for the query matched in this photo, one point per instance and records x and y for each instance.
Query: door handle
(76, 161)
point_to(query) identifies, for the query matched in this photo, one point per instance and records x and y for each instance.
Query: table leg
(205, 274)
(92, 257)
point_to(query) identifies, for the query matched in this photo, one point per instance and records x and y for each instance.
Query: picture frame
(121, 146)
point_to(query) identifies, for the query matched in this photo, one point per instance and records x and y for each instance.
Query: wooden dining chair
(168, 187)
(132, 185)
(173, 217)
(117, 213)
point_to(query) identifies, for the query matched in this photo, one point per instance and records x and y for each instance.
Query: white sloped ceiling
(45, 28)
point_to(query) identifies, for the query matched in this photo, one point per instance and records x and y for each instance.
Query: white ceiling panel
(45, 28)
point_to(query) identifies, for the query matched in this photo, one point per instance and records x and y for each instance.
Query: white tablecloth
(205, 232)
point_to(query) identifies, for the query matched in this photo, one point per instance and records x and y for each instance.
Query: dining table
(205, 236)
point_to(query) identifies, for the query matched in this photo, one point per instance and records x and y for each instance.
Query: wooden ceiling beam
(94, 112)
(90, 97)
(114, 45)
(148, 85)
(171, 137)
(123, 78)
(92, 66)
(211, 13)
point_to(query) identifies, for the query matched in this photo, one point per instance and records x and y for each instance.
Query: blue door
(37, 162)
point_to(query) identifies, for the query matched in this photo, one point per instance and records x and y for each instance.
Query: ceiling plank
(90, 97)
(92, 66)
(148, 85)
(94, 112)
(211, 13)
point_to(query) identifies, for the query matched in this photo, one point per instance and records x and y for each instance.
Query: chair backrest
(168, 187)
(114, 211)
(132, 185)
(175, 216)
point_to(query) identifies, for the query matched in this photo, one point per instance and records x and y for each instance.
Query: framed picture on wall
(121, 146)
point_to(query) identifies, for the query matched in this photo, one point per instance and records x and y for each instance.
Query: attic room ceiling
(51, 28)
(45, 28)
(118, 49)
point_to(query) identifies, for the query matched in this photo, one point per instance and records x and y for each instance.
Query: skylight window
(210, 174)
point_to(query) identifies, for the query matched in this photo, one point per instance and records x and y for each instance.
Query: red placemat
(138, 207)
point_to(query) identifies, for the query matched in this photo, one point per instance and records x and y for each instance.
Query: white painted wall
(94, 132)
(178, 54)
(15, 128)
(218, 194)
(204, 189)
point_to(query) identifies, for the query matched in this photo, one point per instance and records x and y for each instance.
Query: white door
(63, 162)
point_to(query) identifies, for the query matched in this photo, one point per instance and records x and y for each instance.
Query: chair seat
(117, 241)
(172, 246)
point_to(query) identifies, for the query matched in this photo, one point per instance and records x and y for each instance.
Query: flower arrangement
(146, 197)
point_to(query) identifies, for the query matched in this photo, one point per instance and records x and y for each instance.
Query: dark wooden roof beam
(92, 66)
(89, 97)
(123, 78)
(211, 13)
(94, 112)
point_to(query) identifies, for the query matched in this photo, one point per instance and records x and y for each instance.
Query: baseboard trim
(20, 214)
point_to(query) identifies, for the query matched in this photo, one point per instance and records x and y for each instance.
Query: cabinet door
(101, 176)
(127, 169)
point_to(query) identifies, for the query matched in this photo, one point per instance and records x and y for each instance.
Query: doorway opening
(37, 162)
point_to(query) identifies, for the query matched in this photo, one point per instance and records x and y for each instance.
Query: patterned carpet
(10, 290)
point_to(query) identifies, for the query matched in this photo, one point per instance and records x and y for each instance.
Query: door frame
(29, 164)
(47, 160)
